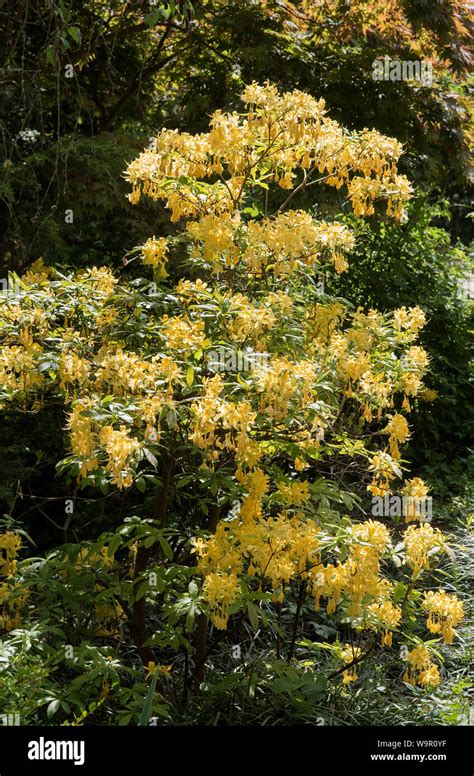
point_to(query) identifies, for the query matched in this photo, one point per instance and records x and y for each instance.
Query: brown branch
(296, 620)
(152, 66)
(137, 622)
(354, 662)
(202, 621)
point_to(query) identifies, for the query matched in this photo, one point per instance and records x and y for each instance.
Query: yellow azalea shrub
(304, 388)
(13, 596)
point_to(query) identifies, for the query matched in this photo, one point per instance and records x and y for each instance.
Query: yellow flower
(428, 394)
(415, 491)
(37, 273)
(388, 615)
(151, 669)
(382, 466)
(182, 334)
(397, 428)
(412, 319)
(348, 654)
(420, 669)
(220, 591)
(101, 279)
(120, 449)
(154, 253)
(295, 493)
(445, 612)
(420, 542)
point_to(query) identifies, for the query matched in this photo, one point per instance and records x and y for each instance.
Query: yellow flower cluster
(358, 355)
(382, 467)
(349, 653)
(83, 439)
(101, 279)
(10, 544)
(154, 254)
(278, 135)
(215, 240)
(417, 358)
(409, 321)
(212, 414)
(30, 319)
(294, 493)
(256, 483)
(87, 441)
(19, 365)
(11, 598)
(122, 373)
(250, 323)
(359, 576)
(220, 590)
(398, 431)
(88, 557)
(416, 491)
(444, 613)
(282, 384)
(190, 291)
(427, 394)
(387, 615)
(420, 669)
(275, 550)
(420, 543)
(127, 376)
(182, 335)
(356, 580)
(72, 369)
(37, 273)
(120, 449)
(280, 244)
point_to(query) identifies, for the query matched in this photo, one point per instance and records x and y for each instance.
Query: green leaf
(75, 34)
(51, 55)
(166, 547)
(114, 545)
(141, 484)
(253, 614)
(190, 376)
(190, 617)
(150, 457)
(52, 708)
(104, 485)
(155, 16)
(171, 418)
(142, 590)
(147, 706)
(252, 211)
